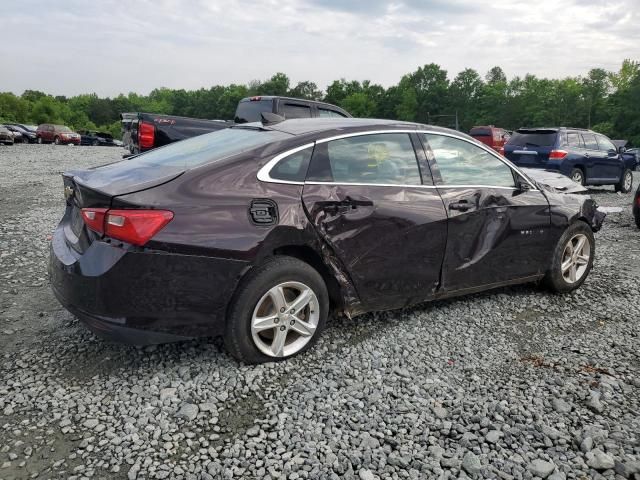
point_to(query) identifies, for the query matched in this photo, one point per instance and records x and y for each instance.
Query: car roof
(302, 126)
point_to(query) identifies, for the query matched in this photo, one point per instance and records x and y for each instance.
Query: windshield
(533, 139)
(61, 128)
(250, 111)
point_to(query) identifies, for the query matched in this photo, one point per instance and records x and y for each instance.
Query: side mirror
(622, 149)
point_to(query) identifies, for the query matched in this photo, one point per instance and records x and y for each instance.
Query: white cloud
(110, 47)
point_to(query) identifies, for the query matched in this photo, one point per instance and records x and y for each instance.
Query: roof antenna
(269, 118)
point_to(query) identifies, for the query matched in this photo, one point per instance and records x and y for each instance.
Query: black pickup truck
(144, 131)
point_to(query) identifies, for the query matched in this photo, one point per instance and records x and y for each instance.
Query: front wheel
(572, 258)
(40, 140)
(279, 311)
(56, 141)
(626, 182)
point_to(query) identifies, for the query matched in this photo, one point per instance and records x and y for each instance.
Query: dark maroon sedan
(259, 231)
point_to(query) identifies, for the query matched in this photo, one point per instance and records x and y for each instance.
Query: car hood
(556, 181)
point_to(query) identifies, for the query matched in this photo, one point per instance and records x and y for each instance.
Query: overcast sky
(68, 47)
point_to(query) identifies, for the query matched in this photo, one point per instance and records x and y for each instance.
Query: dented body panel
(378, 247)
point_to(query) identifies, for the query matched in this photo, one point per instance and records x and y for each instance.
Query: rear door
(380, 214)
(496, 231)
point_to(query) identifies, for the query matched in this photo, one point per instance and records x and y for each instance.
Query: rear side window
(323, 112)
(590, 141)
(533, 139)
(290, 110)
(386, 158)
(251, 110)
(605, 144)
(463, 163)
(292, 168)
(574, 140)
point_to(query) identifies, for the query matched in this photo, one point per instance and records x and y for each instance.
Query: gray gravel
(516, 383)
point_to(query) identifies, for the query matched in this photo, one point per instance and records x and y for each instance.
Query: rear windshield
(480, 131)
(207, 148)
(250, 111)
(533, 139)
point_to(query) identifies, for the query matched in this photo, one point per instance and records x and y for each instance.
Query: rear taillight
(557, 154)
(132, 226)
(94, 218)
(146, 135)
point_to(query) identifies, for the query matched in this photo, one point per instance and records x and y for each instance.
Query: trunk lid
(97, 188)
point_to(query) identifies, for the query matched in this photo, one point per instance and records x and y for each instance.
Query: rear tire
(94, 143)
(572, 259)
(264, 323)
(626, 182)
(577, 175)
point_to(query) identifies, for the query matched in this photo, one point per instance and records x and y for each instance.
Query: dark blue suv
(587, 157)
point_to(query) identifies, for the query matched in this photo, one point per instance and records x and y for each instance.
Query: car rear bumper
(142, 296)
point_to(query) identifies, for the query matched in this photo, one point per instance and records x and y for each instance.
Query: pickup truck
(144, 131)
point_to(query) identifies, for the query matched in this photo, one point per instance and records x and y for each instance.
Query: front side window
(386, 158)
(605, 144)
(291, 110)
(292, 168)
(590, 141)
(463, 163)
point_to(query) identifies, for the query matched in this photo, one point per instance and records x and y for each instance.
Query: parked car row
(11, 133)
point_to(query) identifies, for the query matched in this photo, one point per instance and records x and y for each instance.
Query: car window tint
(605, 144)
(590, 141)
(293, 167)
(386, 158)
(574, 140)
(463, 163)
(323, 112)
(537, 138)
(290, 110)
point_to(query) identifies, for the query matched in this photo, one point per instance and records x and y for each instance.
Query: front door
(366, 197)
(496, 232)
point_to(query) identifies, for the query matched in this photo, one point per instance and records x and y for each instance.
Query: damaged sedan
(259, 231)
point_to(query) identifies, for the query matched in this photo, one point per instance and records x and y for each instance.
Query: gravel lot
(516, 383)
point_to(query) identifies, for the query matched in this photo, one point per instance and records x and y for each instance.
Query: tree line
(605, 101)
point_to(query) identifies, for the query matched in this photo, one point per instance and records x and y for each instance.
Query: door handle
(462, 205)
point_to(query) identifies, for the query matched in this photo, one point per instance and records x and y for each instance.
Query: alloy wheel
(577, 177)
(628, 181)
(575, 258)
(285, 319)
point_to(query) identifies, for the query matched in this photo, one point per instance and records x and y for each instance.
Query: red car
(58, 134)
(492, 136)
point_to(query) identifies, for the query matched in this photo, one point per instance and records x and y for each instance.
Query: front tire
(577, 175)
(626, 182)
(56, 141)
(572, 258)
(278, 311)
(40, 140)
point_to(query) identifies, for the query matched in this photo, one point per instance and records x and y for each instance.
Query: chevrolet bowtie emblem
(68, 193)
